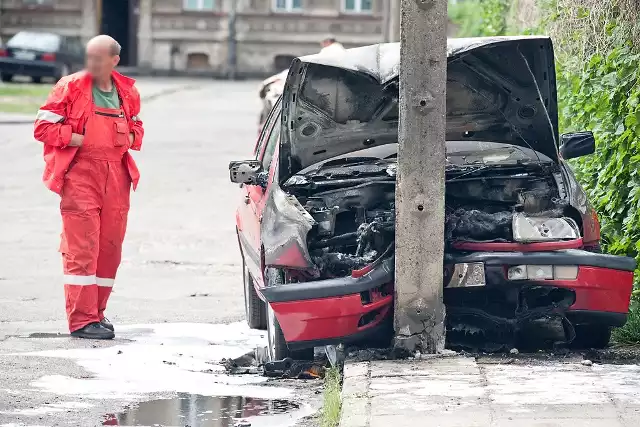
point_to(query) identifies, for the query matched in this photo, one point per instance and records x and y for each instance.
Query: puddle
(209, 411)
(40, 335)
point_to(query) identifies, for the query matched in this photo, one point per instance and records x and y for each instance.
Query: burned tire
(277, 345)
(255, 308)
(37, 80)
(591, 336)
(6, 77)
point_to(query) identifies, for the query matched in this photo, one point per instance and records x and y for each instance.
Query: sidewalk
(459, 392)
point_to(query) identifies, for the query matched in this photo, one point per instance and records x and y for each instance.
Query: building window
(37, 2)
(357, 6)
(199, 4)
(287, 5)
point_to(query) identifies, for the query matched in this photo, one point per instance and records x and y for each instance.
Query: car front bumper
(19, 67)
(349, 309)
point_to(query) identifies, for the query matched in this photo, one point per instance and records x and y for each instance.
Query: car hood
(499, 89)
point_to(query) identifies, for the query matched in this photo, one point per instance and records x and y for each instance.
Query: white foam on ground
(164, 358)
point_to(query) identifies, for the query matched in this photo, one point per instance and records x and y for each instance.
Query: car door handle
(247, 200)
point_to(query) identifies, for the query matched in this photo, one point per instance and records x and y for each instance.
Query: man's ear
(116, 60)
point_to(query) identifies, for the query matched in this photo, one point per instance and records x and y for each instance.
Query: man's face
(326, 43)
(100, 61)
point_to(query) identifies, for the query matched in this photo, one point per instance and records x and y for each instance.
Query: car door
(249, 212)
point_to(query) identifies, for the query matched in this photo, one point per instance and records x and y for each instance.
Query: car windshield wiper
(347, 161)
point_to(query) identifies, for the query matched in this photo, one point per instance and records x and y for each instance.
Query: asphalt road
(180, 263)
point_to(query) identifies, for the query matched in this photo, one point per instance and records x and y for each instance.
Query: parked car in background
(270, 90)
(40, 55)
(316, 224)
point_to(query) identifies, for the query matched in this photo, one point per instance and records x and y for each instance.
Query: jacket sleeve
(136, 124)
(49, 127)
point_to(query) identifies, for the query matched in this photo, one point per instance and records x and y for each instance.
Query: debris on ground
(254, 363)
(587, 362)
(514, 351)
(295, 369)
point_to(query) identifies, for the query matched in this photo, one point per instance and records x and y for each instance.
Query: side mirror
(577, 145)
(247, 172)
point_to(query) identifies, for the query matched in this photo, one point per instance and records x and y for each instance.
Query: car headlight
(540, 229)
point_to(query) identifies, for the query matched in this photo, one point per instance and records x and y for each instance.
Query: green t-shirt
(106, 99)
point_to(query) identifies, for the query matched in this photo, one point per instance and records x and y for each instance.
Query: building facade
(209, 36)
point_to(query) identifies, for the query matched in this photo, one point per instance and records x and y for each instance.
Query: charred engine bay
(353, 204)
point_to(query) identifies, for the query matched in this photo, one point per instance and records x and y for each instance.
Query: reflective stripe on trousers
(94, 207)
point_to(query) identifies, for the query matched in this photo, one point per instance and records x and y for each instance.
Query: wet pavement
(182, 363)
(178, 296)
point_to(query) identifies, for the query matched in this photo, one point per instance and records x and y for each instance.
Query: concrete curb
(29, 120)
(356, 407)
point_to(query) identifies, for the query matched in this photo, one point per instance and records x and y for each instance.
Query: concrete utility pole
(419, 309)
(232, 59)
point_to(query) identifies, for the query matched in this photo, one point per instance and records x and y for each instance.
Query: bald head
(104, 43)
(103, 54)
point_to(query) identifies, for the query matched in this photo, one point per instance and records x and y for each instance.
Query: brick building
(200, 35)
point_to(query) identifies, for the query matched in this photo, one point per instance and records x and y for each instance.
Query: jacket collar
(123, 84)
(121, 81)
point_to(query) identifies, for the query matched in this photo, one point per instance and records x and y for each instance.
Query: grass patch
(28, 90)
(629, 333)
(21, 108)
(332, 401)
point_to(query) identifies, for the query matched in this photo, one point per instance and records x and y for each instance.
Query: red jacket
(66, 111)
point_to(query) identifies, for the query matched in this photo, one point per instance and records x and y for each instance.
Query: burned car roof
(499, 89)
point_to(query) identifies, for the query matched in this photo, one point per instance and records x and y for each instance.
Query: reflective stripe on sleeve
(49, 116)
(79, 280)
(105, 282)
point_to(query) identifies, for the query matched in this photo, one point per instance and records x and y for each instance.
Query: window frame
(200, 6)
(272, 120)
(357, 10)
(288, 7)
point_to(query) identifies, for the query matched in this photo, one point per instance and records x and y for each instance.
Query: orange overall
(94, 206)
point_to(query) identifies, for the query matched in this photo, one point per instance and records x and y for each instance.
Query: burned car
(316, 224)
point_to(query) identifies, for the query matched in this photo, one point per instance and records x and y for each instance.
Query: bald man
(87, 126)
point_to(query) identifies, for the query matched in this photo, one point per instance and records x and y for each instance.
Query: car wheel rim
(271, 333)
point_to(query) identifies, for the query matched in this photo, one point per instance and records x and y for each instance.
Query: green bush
(605, 97)
(476, 18)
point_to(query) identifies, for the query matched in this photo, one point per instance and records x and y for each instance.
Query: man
(87, 125)
(331, 46)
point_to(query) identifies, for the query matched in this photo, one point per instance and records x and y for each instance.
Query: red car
(316, 224)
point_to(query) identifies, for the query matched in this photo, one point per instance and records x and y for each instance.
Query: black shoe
(105, 322)
(94, 331)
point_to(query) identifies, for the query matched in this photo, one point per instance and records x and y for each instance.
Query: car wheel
(36, 80)
(277, 346)
(591, 336)
(64, 71)
(255, 308)
(7, 77)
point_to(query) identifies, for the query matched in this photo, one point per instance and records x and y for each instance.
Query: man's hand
(131, 138)
(76, 140)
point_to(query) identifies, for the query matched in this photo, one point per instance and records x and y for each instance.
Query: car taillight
(49, 57)
(3, 52)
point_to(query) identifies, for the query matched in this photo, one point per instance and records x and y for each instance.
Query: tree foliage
(476, 18)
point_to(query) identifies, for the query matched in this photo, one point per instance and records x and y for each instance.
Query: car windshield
(38, 41)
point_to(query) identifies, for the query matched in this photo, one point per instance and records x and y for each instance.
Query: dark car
(40, 55)
(316, 226)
